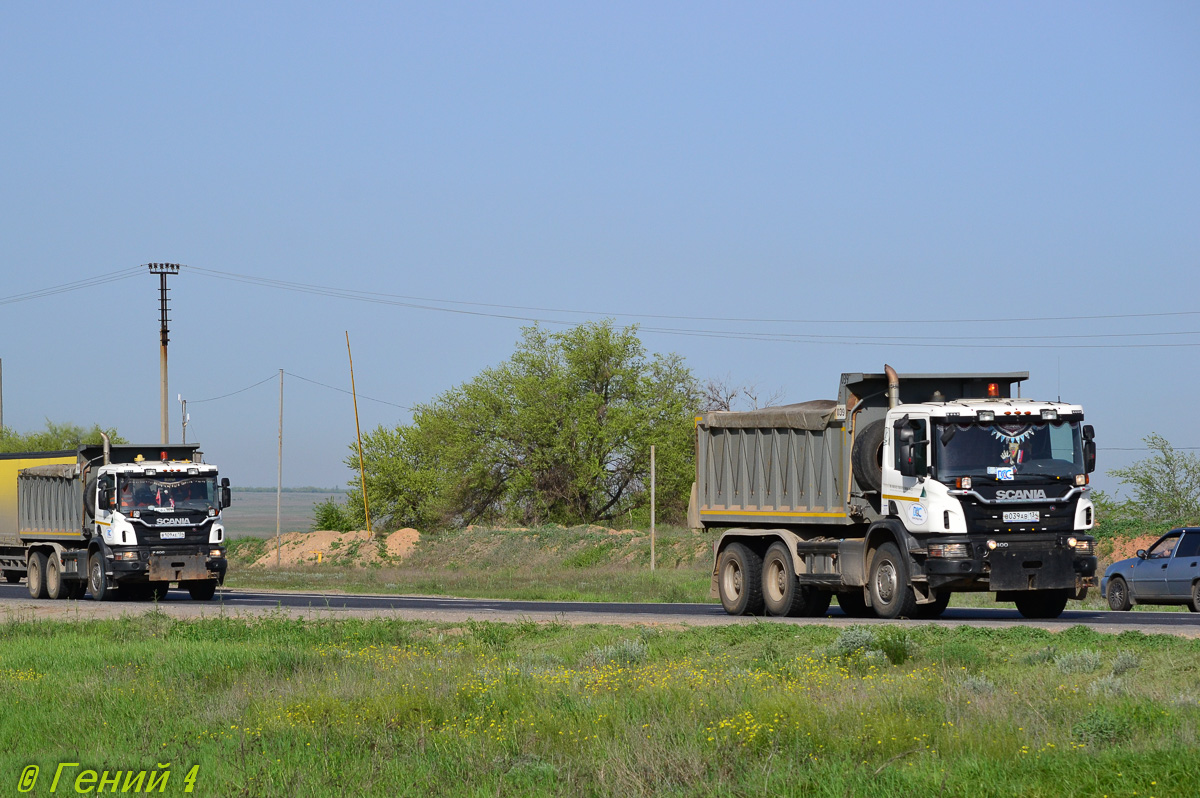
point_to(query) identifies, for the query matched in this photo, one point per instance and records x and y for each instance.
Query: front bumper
(159, 564)
(1014, 565)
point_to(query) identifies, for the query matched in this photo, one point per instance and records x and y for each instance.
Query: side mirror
(105, 500)
(1141, 554)
(906, 445)
(1089, 456)
(1089, 432)
(226, 493)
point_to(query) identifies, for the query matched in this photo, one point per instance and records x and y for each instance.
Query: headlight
(1049, 415)
(956, 550)
(216, 553)
(1081, 480)
(991, 544)
(1072, 542)
(125, 555)
(1083, 547)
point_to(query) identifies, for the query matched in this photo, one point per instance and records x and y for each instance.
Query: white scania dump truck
(904, 490)
(127, 519)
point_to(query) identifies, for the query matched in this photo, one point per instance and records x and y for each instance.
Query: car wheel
(1194, 604)
(1118, 594)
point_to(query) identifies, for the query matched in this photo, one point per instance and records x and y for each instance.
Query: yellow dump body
(10, 466)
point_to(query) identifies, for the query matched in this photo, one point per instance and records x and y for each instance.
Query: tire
(817, 603)
(739, 580)
(866, 459)
(1194, 604)
(854, 605)
(891, 594)
(934, 609)
(77, 590)
(201, 591)
(12, 577)
(97, 581)
(1118, 595)
(36, 575)
(1043, 603)
(781, 591)
(55, 587)
(158, 590)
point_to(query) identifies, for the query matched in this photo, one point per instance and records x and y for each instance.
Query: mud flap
(178, 567)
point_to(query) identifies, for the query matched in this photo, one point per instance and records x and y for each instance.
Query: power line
(368, 295)
(233, 393)
(343, 390)
(87, 282)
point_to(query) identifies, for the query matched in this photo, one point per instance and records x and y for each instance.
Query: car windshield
(1009, 451)
(167, 492)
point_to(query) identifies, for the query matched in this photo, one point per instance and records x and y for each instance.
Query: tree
(560, 432)
(721, 393)
(1165, 486)
(55, 438)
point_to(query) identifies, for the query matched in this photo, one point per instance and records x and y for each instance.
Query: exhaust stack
(893, 389)
(107, 448)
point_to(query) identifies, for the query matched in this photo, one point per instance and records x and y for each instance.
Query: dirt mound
(1127, 547)
(339, 548)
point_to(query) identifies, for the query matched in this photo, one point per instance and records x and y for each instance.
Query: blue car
(1166, 573)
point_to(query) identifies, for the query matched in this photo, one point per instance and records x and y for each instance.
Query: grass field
(287, 707)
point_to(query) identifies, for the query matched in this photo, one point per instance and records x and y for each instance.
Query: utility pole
(652, 507)
(362, 470)
(279, 473)
(162, 270)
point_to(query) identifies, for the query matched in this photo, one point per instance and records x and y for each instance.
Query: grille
(987, 518)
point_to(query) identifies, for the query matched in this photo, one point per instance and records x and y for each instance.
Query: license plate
(1022, 517)
(177, 534)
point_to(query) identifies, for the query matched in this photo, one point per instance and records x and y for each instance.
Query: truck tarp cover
(66, 471)
(814, 415)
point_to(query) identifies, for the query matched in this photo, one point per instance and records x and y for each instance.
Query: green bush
(332, 515)
(1124, 662)
(1085, 661)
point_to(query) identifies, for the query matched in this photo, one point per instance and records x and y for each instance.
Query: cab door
(1184, 566)
(906, 470)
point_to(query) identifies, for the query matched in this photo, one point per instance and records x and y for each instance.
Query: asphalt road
(455, 609)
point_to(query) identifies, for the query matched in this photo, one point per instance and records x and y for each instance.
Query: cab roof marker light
(987, 415)
(1049, 414)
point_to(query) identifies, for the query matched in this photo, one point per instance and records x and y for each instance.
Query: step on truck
(124, 520)
(904, 490)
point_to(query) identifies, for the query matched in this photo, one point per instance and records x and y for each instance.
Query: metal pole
(279, 474)
(162, 270)
(362, 470)
(183, 416)
(652, 507)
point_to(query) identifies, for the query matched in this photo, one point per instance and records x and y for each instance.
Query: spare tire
(866, 459)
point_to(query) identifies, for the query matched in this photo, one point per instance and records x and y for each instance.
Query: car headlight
(216, 553)
(125, 555)
(944, 550)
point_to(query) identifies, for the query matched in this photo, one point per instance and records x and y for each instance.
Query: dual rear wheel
(749, 584)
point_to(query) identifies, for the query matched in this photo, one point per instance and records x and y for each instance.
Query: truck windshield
(167, 492)
(1053, 449)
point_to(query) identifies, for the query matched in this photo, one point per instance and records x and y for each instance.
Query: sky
(958, 187)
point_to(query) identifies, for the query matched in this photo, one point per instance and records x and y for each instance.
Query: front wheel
(935, 608)
(739, 580)
(1042, 604)
(36, 575)
(891, 594)
(201, 591)
(97, 580)
(1118, 594)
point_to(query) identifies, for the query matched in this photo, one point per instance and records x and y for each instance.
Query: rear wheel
(36, 575)
(817, 603)
(891, 594)
(1118, 594)
(1042, 603)
(739, 580)
(202, 591)
(1194, 604)
(935, 608)
(853, 604)
(159, 590)
(97, 580)
(782, 593)
(55, 587)
(76, 590)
